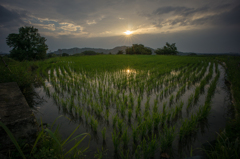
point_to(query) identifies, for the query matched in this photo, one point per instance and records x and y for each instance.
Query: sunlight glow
(128, 32)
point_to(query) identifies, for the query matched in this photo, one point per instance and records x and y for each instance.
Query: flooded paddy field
(136, 107)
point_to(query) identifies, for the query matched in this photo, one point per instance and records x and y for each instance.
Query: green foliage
(65, 54)
(138, 49)
(120, 52)
(27, 45)
(49, 144)
(169, 49)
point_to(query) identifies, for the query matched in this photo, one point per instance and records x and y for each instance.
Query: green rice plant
(137, 153)
(125, 138)
(79, 111)
(149, 124)
(196, 94)
(134, 134)
(120, 125)
(107, 115)
(152, 146)
(143, 129)
(139, 119)
(167, 138)
(188, 126)
(171, 99)
(147, 105)
(100, 153)
(156, 120)
(129, 114)
(168, 117)
(115, 119)
(115, 140)
(155, 108)
(103, 133)
(203, 112)
(139, 101)
(122, 110)
(190, 101)
(166, 91)
(146, 114)
(138, 112)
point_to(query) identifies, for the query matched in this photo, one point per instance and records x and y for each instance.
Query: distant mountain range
(123, 48)
(98, 50)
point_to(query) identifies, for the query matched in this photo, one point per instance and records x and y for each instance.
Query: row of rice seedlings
(203, 83)
(190, 125)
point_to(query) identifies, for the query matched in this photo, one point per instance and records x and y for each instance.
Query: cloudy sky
(195, 26)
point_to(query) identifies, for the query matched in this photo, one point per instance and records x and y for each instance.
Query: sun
(128, 32)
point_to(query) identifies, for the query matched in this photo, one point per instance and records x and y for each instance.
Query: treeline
(138, 49)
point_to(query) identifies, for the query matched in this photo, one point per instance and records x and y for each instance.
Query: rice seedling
(104, 133)
(120, 125)
(125, 138)
(188, 126)
(129, 114)
(155, 108)
(115, 119)
(171, 99)
(134, 134)
(166, 138)
(115, 140)
(190, 101)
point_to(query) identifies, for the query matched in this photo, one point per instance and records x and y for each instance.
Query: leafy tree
(27, 45)
(169, 49)
(120, 52)
(138, 49)
(65, 54)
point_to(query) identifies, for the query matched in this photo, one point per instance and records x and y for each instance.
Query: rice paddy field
(135, 106)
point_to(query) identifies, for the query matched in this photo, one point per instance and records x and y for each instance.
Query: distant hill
(123, 48)
(188, 53)
(98, 50)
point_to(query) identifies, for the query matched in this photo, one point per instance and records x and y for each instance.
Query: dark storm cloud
(10, 18)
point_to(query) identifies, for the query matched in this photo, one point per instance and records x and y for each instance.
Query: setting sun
(128, 32)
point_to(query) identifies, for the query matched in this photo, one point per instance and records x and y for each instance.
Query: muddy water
(48, 111)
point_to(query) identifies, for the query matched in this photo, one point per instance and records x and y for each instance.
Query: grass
(49, 140)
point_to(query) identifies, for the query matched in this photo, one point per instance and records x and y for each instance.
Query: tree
(65, 54)
(27, 45)
(138, 49)
(120, 52)
(169, 49)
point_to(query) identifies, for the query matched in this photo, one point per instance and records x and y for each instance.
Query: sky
(201, 26)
